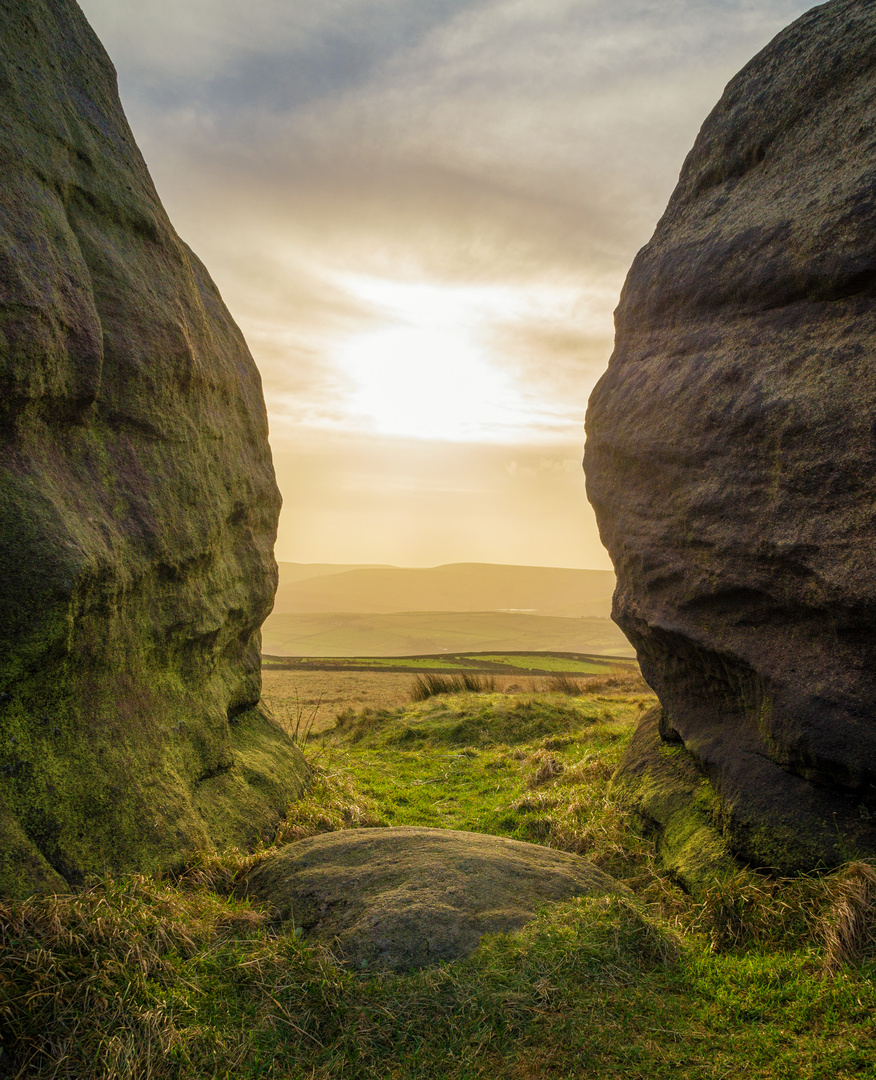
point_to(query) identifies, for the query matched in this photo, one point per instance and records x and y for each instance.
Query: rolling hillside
(325, 609)
(427, 632)
(291, 572)
(531, 590)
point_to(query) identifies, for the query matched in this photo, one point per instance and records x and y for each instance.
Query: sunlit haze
(420, 213)
(433, 367)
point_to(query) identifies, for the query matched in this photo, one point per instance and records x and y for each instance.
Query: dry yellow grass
(318, 696)
(312, 699)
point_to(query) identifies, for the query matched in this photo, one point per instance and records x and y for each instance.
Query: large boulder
(405, 898)
(731, 449)
(137, 499)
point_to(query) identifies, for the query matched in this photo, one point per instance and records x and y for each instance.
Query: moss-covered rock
(138, 506)
(731, 448)
(660, 781)
(405, 898)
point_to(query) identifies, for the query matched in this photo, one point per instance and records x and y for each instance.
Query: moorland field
(182, 978)
(309, 692)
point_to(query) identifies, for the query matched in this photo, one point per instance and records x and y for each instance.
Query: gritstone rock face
(137, 499)
(731, 449)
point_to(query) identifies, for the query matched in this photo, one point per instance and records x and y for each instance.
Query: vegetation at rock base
(142, 977)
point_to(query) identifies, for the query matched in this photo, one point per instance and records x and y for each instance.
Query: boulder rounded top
(731, 448)
(138, 506)
(404, 898)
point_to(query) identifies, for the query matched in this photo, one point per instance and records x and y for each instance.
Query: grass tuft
(334, 802)
(431, 684)
(565, 684)
(751, 910)
(849, 923)
(549, 768)
(84, 979)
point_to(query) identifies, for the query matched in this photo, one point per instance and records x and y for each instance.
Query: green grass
(532, 663)
(473, 761)
(590, 665)
(392, 663)
(141, 978)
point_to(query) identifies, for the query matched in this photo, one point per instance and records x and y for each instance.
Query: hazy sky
(421, 212)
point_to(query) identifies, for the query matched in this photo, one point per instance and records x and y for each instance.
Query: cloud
(526, 147)
(258, 53)
(511, 124)
(502, 138)
(419, 503)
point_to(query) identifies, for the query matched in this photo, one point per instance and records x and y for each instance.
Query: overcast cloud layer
(421, 212)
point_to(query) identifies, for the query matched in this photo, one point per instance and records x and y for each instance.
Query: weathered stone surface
(731, 448)
(137, 500)
(404, 898)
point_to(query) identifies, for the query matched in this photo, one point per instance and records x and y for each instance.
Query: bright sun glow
(427, 382)
(426, 371)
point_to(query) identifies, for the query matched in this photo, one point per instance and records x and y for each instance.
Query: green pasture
(532, 663)
(553, 662)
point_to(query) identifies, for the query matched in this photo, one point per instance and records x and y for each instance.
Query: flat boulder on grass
(404, 898)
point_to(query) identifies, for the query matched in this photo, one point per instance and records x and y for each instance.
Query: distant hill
(330, 609)
(458, 587)
(416, 633)
(299, 571)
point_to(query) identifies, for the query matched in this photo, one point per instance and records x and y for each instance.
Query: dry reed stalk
(430, 684)
(548, 769)
(564, 684)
